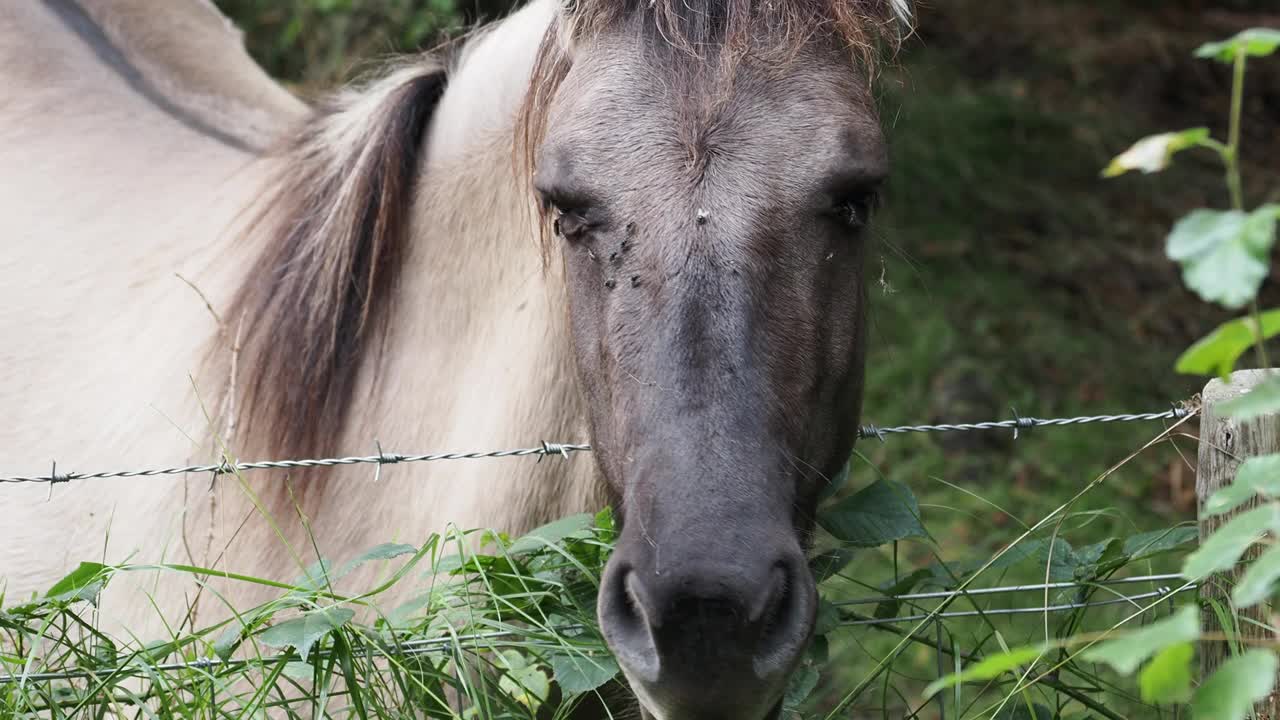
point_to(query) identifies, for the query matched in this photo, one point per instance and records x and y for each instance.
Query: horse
(641, 222)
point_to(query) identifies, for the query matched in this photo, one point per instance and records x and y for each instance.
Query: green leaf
(1055, 553)
(228, 641)
(1152, 153)
(827, 617)
(838, 481)
(1217, 352)
(1158, 542)
(1129, 651)
(1167, 678)
(1256, 476)
(1229, 694)
(300, 671)
(830, 563)
(880, 513)
(1262, 400)
(1223, 548)
(1224, 254)
(800, 686)
(302, 632)
(990, 667)
(1257, 582)
(524, 681)
(577, 673)
(551, 533)
(385, 551)
(905, 584)
(1097, 558)
(314, 577)
(83, 583)
(1254, 42)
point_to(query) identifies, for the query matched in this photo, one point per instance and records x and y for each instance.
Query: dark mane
(333, 226)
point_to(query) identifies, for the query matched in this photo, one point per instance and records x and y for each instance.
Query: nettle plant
(1225, 256)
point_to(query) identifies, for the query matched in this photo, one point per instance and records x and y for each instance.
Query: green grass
(473, 634)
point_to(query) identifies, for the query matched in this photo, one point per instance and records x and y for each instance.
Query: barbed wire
(1126, 599)
(942, 594)
(1017, 424)
(226, 468)
(422, 646)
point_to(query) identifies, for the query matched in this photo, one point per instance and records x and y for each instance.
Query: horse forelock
(333, 228)
(868, 29)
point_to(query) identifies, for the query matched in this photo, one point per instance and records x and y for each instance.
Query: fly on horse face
(640, 221)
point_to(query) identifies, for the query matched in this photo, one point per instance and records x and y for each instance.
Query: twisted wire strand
(226, 468)
(1023, 423)
(564, 449)
(876, 600)
(1128, 599)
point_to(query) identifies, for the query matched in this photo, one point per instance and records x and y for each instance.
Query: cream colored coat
(122, 210)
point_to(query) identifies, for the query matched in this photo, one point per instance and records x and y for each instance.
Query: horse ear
(333, 227)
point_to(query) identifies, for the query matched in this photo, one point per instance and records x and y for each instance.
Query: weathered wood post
(1224, 444)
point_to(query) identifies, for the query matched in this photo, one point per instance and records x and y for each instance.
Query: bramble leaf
(1257, 582)
(1256, 476)
(1127, 652)
(1224, 547)
(1224, 253)
(1153, 153)
(1231, 691)
(302, 632)
(1217, 352)
(1262, 400)
(880, 513)
(577, 673)
(1167, 678)
(992, 666)
(1254, 42)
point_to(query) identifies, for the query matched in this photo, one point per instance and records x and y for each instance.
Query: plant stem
(1232, 154)
(1260, 344)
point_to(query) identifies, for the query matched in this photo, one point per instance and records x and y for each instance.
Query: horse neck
(476, 354)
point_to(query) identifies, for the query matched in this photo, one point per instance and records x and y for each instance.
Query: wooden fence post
(1224, 444)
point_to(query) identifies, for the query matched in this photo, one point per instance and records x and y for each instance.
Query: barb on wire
(545, 449)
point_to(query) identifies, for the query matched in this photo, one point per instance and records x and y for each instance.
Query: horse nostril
(626, 621)
(773, 603)
(787, 618)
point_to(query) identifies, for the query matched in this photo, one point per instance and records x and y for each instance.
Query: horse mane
(334, 224)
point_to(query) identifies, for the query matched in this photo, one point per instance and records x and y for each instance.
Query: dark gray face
(712, 234)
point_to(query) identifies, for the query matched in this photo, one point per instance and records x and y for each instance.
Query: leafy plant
(1225, 257)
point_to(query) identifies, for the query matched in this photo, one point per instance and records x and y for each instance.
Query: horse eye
(568, 224)
(855, 210)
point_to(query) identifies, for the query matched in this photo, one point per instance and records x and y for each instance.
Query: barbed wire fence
(1018, 424)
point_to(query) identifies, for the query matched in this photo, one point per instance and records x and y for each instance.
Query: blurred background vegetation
(1009, 275)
